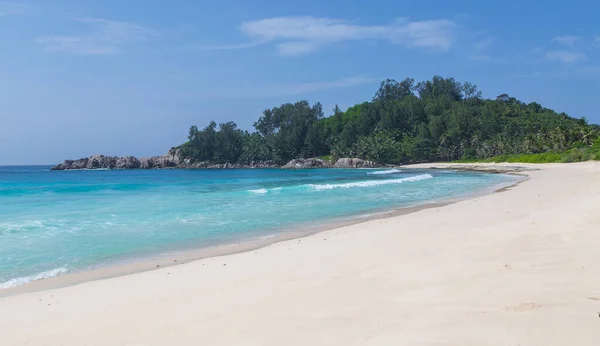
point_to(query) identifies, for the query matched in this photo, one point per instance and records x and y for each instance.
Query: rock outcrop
(355, 163)
(165, 161)
(114, 162)
(127, 162)
(211, 165)
(307, 163)
(173, 160)
(101, 162)
(72, 164)
(341, 163)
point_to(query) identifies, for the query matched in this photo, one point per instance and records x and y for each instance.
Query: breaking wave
(259, 191)
(263, 191)
(387, 171)
(25, 279)
(371, 183)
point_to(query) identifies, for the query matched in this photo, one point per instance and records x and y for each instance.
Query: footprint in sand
(522, 307)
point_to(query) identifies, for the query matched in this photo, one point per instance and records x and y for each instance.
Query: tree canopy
(405, 122)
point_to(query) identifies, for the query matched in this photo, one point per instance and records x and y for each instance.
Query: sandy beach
(517, 267)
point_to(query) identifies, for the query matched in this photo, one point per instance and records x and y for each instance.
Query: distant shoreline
(152, 261)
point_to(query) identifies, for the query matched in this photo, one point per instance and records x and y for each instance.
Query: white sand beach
(518, 267)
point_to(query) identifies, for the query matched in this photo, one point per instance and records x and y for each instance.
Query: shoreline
(509, 268)
(165, 259)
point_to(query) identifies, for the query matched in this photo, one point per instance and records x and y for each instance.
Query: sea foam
(25, 279)
(387, 171)
(259, 191)
(263, 191)
(371, 183)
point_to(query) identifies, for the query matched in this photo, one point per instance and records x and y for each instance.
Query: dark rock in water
(307, 163)
(101, 162)
(171, 160)
(211, 165)
(165, 161)
(341, 163)
(80, 164)
(72, 164)
(127, 162)
(146, 163)
(355, 163)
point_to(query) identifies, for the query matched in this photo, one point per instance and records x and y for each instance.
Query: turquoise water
(55, 222)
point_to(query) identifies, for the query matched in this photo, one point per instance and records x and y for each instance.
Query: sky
(129, 77)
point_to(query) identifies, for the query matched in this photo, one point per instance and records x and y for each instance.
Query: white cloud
(565, 56)
(105, 37)
(304, 35)
(597, 41)
(573, 51)
(566, 40)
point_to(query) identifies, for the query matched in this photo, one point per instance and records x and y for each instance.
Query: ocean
(56, 222)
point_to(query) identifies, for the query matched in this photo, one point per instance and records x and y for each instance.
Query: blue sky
(128, 77)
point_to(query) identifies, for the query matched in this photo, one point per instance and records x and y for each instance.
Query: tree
(228, 143)
(390, 90)
(208, 141)
(437, 119)
(315, 141)
(254, 149)
(193, 134)
(470, 91)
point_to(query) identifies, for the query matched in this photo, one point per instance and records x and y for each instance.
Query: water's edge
(173, 258)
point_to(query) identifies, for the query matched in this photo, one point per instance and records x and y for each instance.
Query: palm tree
(559, 139)
(543, 139)
(529, 145)
(586, 135)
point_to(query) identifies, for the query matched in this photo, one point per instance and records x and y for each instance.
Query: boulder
(63, 166)
(175, 155)
(171, 160)
(263, 164)
(354, 163)
(146, 163)
(127, 162)
(165, 161)
(101, 162)
(71, 164)
(306, 163)
(79, 164)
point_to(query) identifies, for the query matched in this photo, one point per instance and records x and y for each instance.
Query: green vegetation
(436, 120)
(523, 158)
(571, 155)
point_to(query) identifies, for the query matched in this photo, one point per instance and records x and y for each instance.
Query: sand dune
(520, 267)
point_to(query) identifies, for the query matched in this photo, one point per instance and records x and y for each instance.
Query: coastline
(516, 267)
(166, 259)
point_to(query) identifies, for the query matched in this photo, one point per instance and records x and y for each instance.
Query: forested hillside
(435, 120)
